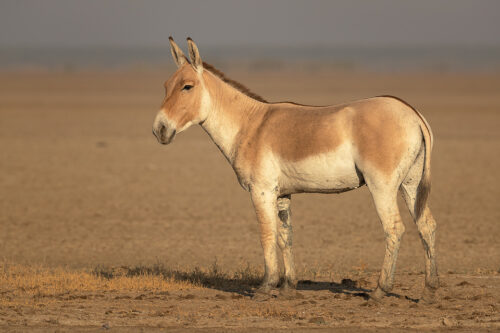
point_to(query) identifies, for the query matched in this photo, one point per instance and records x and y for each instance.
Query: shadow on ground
(243, 282)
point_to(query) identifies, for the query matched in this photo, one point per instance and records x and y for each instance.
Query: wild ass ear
(194, 55)
(177, 54)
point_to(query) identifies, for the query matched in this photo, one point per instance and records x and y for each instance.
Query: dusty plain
(103, 228)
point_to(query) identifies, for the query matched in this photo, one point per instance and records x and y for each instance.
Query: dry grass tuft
(213, 277)
(39, 281)
(36, 283)
(273, 311)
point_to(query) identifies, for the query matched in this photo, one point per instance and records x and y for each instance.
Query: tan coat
(278, 149)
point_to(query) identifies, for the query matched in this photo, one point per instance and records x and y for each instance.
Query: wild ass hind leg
(385, 199)
(426, 226)
(285, 243)
(265, 204)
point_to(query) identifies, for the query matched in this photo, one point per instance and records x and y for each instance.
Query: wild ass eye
(187, 87)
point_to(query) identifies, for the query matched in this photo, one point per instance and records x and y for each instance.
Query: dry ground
(100, 225)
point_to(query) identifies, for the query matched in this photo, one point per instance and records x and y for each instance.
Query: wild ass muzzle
(279, 149)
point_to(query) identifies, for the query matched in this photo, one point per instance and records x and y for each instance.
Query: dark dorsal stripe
(232, 83)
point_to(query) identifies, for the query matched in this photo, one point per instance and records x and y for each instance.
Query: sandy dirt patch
(85, 188)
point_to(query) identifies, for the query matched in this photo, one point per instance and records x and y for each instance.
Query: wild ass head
(186, 101)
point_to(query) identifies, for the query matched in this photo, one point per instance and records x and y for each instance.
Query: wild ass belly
(332, 172)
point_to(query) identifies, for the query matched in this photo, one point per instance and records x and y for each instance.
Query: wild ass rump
(278, 149)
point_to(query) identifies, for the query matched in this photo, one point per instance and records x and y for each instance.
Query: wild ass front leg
(265, 203)
(285, 241)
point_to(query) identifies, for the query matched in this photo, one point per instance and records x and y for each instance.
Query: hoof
(377, 295)
(286, 285)
(428, 296)
(287, 292)
(264, 289)
(263, 292)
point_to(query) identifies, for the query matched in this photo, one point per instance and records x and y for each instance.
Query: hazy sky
(252, 22)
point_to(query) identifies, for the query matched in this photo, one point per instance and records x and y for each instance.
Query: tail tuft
(424, 188)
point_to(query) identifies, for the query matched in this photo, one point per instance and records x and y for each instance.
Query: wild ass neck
(230, 112)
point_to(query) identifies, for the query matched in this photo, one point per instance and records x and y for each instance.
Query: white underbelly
(331, 172)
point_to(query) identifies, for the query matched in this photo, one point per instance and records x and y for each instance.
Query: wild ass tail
(424, 187)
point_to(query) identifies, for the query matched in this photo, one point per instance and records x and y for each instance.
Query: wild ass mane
(233, 83)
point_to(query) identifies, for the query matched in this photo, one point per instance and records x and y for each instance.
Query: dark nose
(164, 134)
(159, 132)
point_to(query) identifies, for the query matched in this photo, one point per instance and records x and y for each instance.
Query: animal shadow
(243, 282)
(346, 287)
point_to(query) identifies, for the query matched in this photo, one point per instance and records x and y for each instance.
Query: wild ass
(278, 149)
